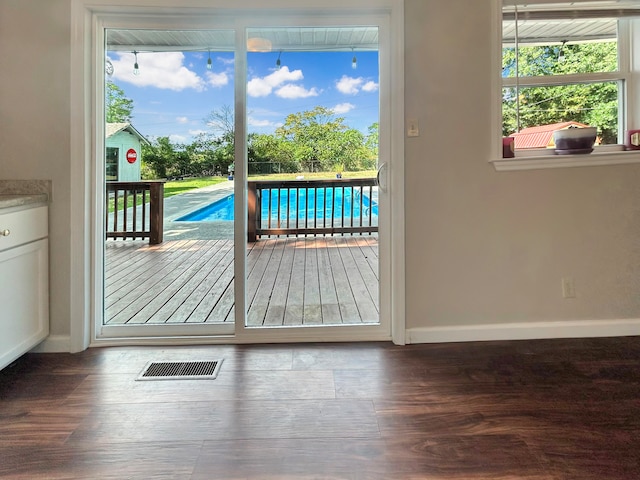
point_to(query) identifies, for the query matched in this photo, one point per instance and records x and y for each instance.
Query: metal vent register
(203, 370)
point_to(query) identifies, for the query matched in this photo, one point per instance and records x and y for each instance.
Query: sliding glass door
(242, 171)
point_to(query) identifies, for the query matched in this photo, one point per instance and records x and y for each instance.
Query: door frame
(86, 69)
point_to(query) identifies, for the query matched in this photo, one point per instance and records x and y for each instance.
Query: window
(111, 162)
(565, 65)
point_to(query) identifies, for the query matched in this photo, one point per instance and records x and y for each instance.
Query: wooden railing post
(156, 212)
(252, 202)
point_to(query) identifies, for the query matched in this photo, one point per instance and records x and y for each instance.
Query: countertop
(17, 200)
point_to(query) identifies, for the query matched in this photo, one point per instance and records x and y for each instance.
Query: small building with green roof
(123, 152)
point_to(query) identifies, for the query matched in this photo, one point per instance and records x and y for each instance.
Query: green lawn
(314, 176)
(181, 186)
(175, 187)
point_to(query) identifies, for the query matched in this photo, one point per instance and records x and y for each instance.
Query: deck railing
(312, 207)
(135, 210)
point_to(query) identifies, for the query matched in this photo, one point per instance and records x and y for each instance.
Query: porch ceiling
(544, 32)
(544, 22)
(286, 39)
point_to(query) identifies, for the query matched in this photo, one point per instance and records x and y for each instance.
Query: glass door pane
(312, 123)
(169, 150)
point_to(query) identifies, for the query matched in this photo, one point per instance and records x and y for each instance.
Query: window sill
(565, 161)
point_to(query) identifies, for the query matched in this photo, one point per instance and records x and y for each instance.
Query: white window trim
(628, 59)
(85, 69)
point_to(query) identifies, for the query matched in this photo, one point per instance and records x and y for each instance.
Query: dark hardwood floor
(549, 409)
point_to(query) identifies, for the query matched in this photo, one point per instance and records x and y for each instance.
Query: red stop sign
(132, 155)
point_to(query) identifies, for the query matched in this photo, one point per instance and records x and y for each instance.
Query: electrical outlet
(568, 288)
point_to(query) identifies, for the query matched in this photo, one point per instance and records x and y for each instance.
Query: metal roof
(540, 136)
(112, 128)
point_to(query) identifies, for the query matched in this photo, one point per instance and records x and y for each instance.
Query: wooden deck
(291, 281)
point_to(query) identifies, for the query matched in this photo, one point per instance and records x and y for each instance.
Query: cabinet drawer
(23, 226)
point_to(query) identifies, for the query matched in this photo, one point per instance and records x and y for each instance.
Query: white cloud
(349, 85)
(343, 108)
(352, 86)
(254, 122)
(195, 133)
(175, 138)
(217, 79)
(164, 70)
(370, 86)
(261, 87)
(292, 91)
(226, 61)
(182, 120)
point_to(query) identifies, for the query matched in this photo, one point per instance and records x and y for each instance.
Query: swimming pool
(292, 203)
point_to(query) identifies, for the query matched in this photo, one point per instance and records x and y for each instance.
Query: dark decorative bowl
(575, 140)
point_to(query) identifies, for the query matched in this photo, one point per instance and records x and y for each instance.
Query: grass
(314, 175)
(175, 187)
(171, 188)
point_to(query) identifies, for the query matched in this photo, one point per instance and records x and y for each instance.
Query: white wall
(491, 247)
(482, 246)
(34, 122)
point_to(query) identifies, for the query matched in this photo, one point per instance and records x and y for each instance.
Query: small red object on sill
(633, 140)
(507, 147)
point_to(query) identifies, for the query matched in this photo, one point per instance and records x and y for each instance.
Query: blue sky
(175, 92)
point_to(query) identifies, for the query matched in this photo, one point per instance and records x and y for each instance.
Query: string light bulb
(354, 61)
(209, 66)
(108, 67)
(561, 52)
(278, 62)
(136, 69)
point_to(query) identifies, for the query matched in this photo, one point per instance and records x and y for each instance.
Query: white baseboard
(467, 333)
(54, 344)
(525, 331)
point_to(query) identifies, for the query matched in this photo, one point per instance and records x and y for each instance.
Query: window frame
(626, 76)
(108, 162)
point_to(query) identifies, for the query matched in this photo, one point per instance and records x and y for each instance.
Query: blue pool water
(321, 203)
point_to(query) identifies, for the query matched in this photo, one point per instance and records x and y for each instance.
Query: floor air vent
(207, 370)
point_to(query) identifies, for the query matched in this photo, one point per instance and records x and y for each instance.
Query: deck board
(194, 291)
(327, 287)
(290, 281)
(260, 302)
(213, 303)
(312, 311)
(178, 291)
(346, 301)
(294, 306)
(278, 301)
(151, 294)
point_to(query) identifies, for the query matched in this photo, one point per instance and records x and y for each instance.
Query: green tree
(118, 107)
(271, 154)
(590, 103)
(158, 157)
(372, 142)
(315, 136)
(352, 150)
(204, 160)
(221, 139)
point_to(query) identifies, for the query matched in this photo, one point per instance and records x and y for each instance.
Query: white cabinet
(24, 281)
